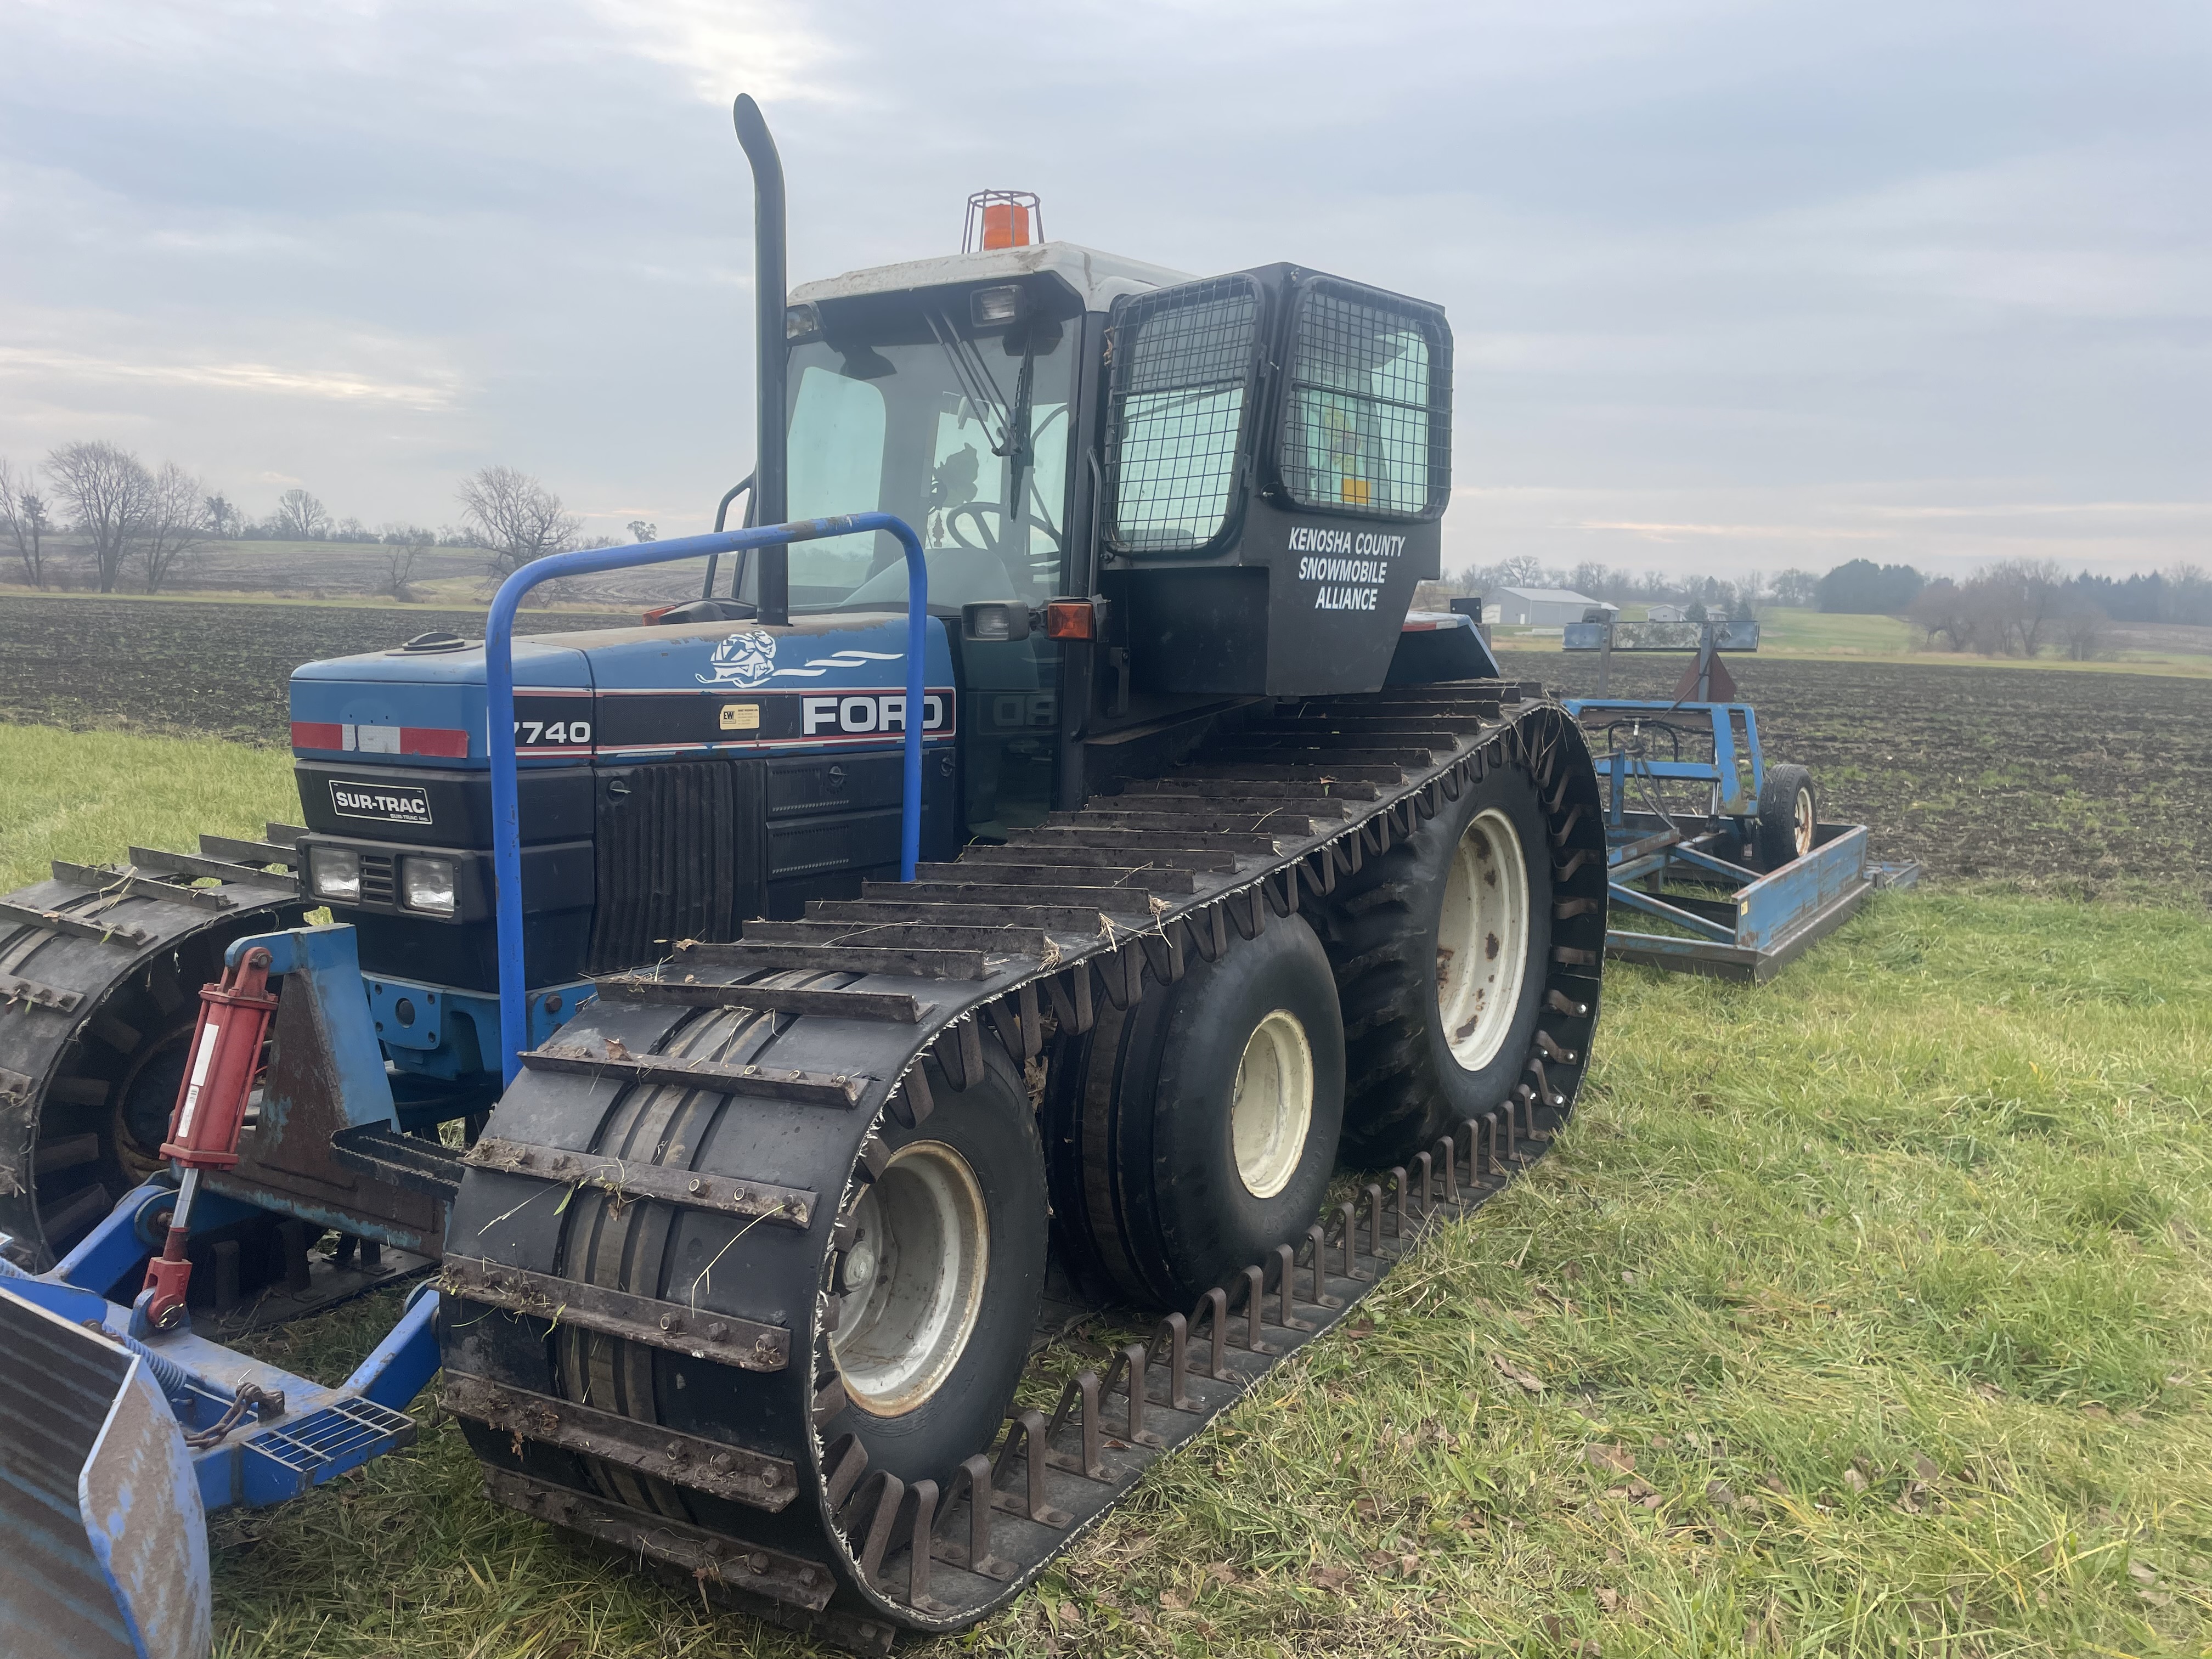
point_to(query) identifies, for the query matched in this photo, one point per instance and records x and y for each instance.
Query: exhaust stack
(770, 504)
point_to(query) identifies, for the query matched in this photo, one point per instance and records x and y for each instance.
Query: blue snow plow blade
(98, 1500)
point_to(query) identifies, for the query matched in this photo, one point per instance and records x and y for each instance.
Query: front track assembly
(100, 968)
(641, 1258)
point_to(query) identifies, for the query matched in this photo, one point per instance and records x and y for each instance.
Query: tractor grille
(666, 848)
(377, 885)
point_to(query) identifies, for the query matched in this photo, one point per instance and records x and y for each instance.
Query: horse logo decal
(742, 660)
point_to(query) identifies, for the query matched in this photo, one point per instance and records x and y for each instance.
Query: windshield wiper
(981, 388)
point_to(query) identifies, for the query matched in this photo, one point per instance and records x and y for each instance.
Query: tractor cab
(959, 393)
(1230, 485)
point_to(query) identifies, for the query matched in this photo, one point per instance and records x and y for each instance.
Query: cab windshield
(962, 433)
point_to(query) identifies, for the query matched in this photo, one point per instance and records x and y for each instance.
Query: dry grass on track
(1870, 1311)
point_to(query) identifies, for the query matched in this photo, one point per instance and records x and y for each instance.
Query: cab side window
(1183, 365)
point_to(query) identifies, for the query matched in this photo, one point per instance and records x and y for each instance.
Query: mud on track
(199, 666)
(2066, 782)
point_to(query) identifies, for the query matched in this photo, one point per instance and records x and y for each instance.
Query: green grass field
(1869, 1312)
(85, 796)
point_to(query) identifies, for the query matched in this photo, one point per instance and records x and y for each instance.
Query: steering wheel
(989, 544)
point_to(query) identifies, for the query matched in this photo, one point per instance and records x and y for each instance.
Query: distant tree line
(2021, 608)
(2012, 608)
(1861, 587)
(122, 523)
(1698, 596)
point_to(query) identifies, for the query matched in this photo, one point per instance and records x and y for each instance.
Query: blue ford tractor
(1049, 873)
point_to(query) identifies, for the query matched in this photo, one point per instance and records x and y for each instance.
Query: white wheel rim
(1482, 939)
(1272, 1107)
(1802, 821)
(913, 1279)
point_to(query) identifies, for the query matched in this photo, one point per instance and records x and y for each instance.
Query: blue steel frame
(1724, 771)
(324, 1431)
(499, 685)
(1775, 916)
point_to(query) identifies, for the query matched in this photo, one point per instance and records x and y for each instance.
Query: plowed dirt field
(197, 666)
(2066, 782)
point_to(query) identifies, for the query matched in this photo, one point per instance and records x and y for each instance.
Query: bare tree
(174, 529)
(224, 521)
(2020, 600)
(2084, 630)
(639, 531)
(405, 543)
(108, 489)
(514, 518)
(1796, 590)
(23, 520)
(300, 517)
(1944, 610)
(2188, 597)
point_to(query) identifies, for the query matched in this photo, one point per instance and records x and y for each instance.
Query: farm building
(1663, 613)
(1544, 607)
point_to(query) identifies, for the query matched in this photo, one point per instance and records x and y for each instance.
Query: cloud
(1730, 282)
(772, 51)
(259, 378)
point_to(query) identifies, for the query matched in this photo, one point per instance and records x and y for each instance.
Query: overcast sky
(1734, 285)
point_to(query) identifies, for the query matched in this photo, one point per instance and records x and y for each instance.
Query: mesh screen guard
(1366, 426)
(1359, 426)
(1184, 362)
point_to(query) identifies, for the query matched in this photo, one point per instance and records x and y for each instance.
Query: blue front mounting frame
(498, 683)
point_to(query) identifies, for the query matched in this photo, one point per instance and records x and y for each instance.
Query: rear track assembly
(640, 1257)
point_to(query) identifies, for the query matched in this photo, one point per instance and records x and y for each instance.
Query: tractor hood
(824, 682)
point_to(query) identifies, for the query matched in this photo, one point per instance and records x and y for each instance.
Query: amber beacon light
(1002, 218)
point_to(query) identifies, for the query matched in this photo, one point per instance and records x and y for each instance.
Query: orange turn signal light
(1071, 619)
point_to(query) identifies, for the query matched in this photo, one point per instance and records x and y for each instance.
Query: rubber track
(1094, 904)
(84, 959)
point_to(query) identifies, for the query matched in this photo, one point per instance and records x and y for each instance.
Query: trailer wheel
(1439, 948)
(1197, 1130)
(1788, 814)
(941, 1285)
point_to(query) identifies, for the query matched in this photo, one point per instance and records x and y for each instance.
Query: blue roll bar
(499, 686)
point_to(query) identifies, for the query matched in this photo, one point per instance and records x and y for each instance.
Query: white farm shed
(1544, 607)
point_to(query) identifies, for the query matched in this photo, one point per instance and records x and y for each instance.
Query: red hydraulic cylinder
(210, 1111)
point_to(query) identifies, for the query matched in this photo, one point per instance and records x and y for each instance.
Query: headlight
(995, 307)
(335, 873)
(427, 885)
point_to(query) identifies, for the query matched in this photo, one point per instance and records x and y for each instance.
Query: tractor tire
(954, 1236)
(90, 1061)
(1788, 814)
(1196, 1130)
(1428, 1043)
(954, 1213)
